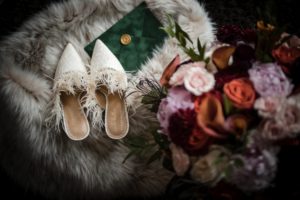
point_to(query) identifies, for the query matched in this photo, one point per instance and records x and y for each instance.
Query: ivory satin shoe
(69, 88)
(110, 82)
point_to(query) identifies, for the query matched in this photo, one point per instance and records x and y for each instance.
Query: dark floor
(14, 12)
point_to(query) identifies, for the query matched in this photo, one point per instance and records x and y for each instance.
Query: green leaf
(171, 21)
(153, 98)
(169, 31)
(156, 156)
(238, 163)
(174, 30)
(202, 52)
(228, 107)
(220, 159)
(199, 46)
(179, 31)
(207, 60)
(228, 171)
(161, 140)
(185, 34)
(135, 142)
(181, 40)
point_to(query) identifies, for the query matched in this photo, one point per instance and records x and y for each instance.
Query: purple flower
(258, 165)
(269, 80)
(178, 98)
(256, 173)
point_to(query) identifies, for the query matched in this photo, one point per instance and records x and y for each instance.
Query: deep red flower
(226, 76)
(231, 34)
(184, 132)
(249, 35)
(286, 55)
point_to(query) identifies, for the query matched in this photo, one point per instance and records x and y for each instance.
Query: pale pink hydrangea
(288, 116)
(267, 106)
(285, 122)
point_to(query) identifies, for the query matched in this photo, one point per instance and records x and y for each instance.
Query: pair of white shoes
(79, 91)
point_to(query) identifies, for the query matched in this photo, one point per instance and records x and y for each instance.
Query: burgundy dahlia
(183, 131)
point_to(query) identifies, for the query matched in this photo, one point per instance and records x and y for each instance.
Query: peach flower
(240, 92)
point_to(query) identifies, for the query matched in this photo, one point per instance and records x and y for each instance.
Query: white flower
(198, 81)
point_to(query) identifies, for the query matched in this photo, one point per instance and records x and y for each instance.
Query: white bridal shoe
(69, 87)
(110, 82)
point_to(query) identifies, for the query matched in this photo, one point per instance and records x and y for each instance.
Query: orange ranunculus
(169, 71)
(240, 92)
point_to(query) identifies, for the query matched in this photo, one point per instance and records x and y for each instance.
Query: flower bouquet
(224, 113)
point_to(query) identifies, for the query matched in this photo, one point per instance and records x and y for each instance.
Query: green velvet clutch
(133, 38)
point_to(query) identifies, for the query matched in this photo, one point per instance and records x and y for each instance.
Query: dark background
(13, 13)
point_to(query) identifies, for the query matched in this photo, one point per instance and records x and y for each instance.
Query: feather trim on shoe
(69, 82)
(115, 81)
(93, 110)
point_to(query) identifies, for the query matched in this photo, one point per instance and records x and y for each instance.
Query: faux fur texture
(49, 162)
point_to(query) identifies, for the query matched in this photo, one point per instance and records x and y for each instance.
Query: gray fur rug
(48, 162)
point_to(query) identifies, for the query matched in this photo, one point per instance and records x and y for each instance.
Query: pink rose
(194, 77)
(198, 81)
(178, 76)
